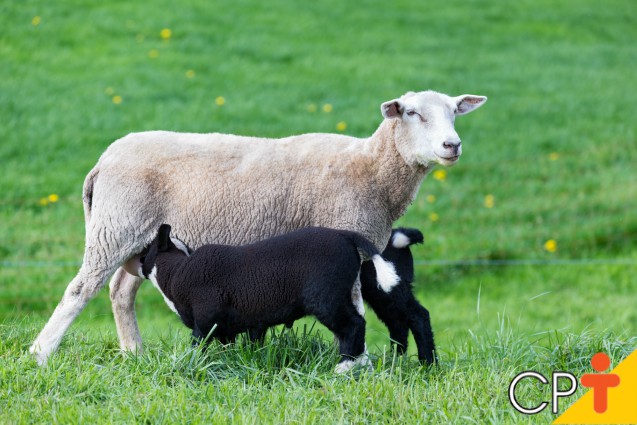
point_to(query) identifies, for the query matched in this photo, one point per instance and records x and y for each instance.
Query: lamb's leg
(257, 335)
(352, 346)
(123, 289)
(89, 280)
(399, 333)
(349, 330)
(420, 325)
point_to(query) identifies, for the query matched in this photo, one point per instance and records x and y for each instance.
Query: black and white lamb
(399, 309)
(223, 290)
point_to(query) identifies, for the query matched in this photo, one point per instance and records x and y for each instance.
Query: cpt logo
(611, 399)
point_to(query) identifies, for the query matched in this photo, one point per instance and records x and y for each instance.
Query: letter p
(556, 389)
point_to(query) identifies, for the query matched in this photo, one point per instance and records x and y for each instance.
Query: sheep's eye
(142, 260)
(411, 113)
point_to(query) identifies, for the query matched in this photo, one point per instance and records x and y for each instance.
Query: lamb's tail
(386, 275)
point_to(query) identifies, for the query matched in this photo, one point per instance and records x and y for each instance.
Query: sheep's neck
(398, 180)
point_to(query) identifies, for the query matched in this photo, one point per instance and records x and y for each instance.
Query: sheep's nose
(452, 146)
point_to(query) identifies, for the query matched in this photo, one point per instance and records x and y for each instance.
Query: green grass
(555, 147)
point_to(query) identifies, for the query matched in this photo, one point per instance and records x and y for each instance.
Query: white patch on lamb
(153, 278)
(180, 246)
(385, 273)
(400, 240)
(347, 365)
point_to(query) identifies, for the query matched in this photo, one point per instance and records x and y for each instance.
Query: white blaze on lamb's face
(180, 245)
(153, 278)
(428, 124)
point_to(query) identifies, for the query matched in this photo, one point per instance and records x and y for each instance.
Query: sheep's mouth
(449, 158)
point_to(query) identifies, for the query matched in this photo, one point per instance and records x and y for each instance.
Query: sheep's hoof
(40, 356)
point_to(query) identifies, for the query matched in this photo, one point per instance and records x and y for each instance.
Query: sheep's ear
(163, 237)
(468, 102)
(392, 109)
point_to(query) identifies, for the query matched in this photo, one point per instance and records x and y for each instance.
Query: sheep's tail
(386, 275)
(87, 193)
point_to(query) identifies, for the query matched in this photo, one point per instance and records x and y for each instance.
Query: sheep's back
(214, 188)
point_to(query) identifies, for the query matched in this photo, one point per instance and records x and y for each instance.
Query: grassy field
(530, 255)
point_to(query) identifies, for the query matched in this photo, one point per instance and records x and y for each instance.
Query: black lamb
(399, 309)
(222, 290)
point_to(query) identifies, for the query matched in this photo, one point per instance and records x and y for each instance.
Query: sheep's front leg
(123, 290)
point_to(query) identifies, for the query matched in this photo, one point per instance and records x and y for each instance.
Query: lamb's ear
(468, 102)
(392, 109)
(163, 237)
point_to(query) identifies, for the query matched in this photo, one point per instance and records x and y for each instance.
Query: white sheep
(226, 189)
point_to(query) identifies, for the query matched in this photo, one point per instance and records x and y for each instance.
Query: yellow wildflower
(36, 21)
(311, 108)
(153, 53)
(117, 99)
(341, 126)
(166, 33)
(488, 201)
(53, 197)
(440, 175)
(190, 74)
(220, 100)
(434, 217)
(554, 156)
(550, 245)
(431, 199)
(327, 108)
(44, 201)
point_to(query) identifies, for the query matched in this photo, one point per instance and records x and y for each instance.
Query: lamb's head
(425, 133)
(162, 245)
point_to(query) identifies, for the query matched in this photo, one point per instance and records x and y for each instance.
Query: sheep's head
(162, 244)
(426, 134)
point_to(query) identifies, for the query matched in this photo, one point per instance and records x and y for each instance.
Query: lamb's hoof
(361, 361)
(345, 366)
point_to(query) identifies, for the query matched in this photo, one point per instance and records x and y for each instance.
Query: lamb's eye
(411, 113)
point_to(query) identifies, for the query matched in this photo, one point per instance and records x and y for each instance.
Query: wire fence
(440, 263)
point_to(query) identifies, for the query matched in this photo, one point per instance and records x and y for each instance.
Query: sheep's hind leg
(357, 296)
(86, 284)
(123, 289)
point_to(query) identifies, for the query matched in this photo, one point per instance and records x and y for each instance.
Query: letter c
(514, 401)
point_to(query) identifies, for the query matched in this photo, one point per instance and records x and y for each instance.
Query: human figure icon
(600, 382)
